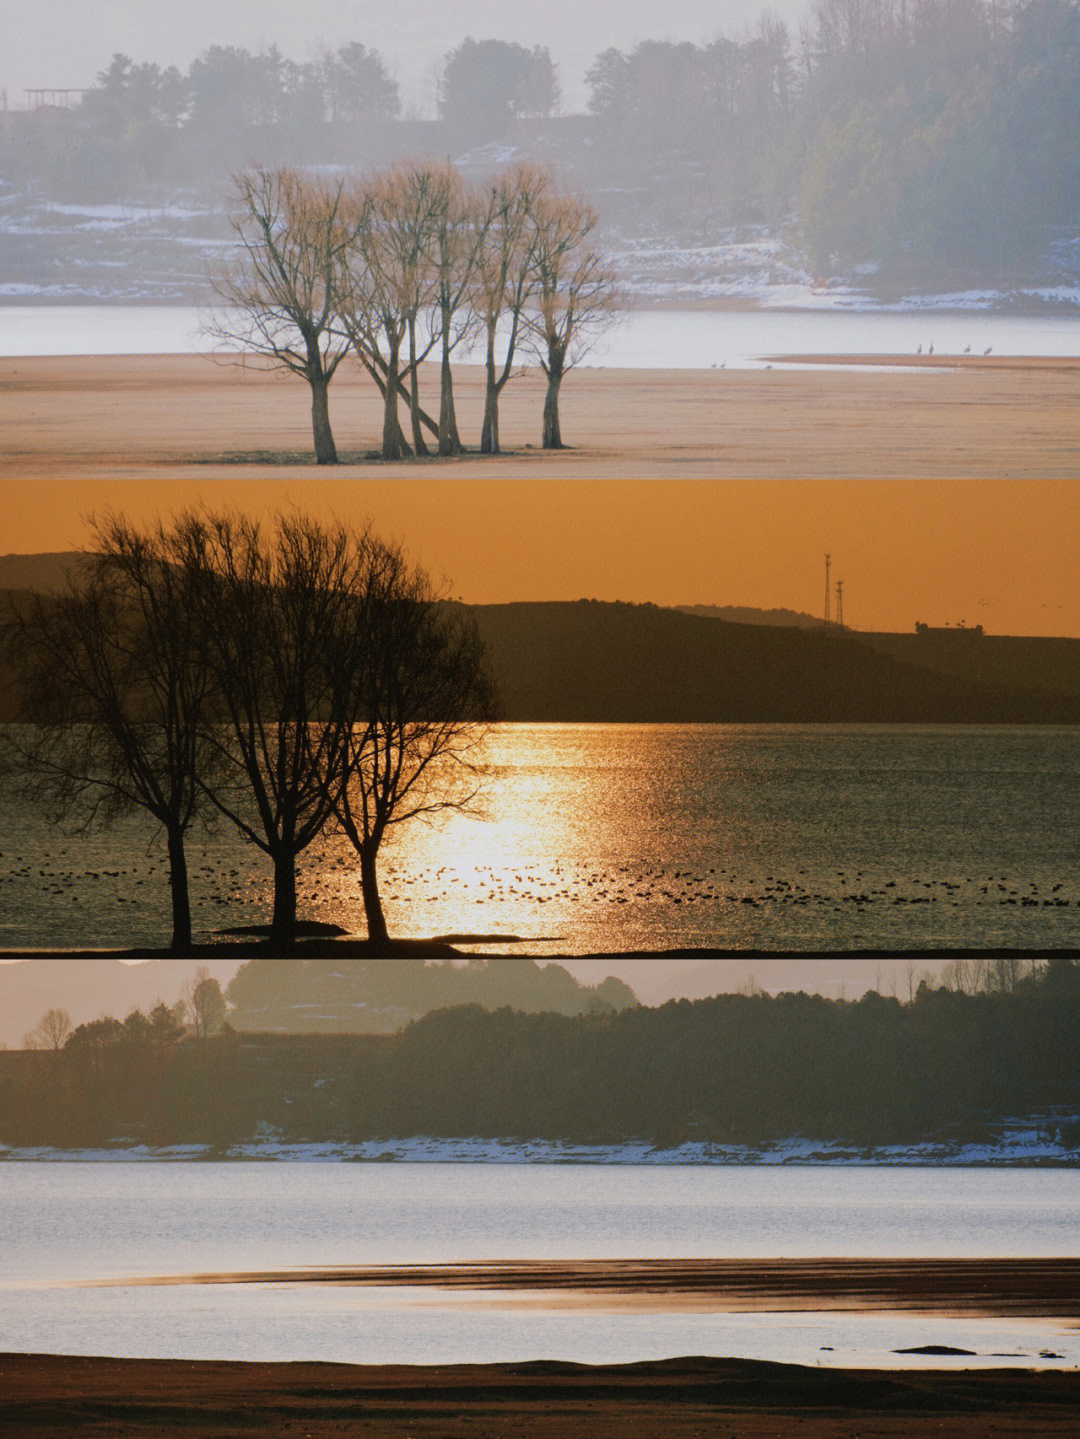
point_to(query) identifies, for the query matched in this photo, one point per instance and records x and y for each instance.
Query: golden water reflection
(599, 838)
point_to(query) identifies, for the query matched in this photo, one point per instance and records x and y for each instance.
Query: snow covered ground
(1031, 1141)
(143, 253)
(758, 268)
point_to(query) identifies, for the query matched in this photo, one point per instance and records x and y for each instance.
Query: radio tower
(828, 562)
(839, 602)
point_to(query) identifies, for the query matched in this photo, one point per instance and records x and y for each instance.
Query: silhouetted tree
(205, 1003)
(276, 618)
(116, 693)
(418, 709)
(50, 1032)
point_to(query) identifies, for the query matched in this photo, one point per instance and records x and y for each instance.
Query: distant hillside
(45, 573)
(744, 615)
(1050, 664)
(378, 996)
(594, 662)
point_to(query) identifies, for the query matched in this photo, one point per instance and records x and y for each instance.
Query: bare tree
(50, 1032)
(574, 293)
(387, 286)
(961, 975)
(455, 253)
(503, 280)
(419, 706)
(277, 621)
(279, 300)
(116, 694)
(204, 1002)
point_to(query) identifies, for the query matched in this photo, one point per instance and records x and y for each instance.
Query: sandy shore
(1034, 1288)
(48, 1395)
(186, 417)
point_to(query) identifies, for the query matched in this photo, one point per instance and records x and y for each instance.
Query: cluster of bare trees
(399, 267)
(279, 679)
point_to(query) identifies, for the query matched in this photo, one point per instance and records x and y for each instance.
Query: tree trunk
(419, 447)
(378, 374)
(178, 884)
(325, 449)
(489, 433)
(392, 439)
(552, 433)
(369, 884)
(449, 439)
(283, 924)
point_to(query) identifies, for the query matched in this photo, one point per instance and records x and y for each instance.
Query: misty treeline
(286, 678)
(738, 1068)
(199, 1011)
(401, 266)
(919, 136)
(913, 135)
(379, 996)
(140, 124)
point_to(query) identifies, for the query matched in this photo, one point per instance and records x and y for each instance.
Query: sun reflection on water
(621, 837)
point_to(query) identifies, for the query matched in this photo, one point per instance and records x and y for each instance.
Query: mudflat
(1043, 1287)
(192, 417)
(52, 1395)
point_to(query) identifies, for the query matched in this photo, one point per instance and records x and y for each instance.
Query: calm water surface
(62, 1222)
(665, 339)
(619, 837)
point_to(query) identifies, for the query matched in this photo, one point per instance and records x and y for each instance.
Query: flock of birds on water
(620, 906)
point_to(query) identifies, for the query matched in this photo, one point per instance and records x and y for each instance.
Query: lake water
(64, 1222)
(667, 339)
(599, 838)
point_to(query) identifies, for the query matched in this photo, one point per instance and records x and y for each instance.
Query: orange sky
(1001, 553)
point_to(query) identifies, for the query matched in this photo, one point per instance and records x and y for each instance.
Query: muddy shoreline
(183, 418)
(1034, 1288)
(51, 1395)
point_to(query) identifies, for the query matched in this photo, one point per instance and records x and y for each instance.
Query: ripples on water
(613, 837)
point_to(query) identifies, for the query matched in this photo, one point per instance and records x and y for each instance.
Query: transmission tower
(828, 562)
(839, 602)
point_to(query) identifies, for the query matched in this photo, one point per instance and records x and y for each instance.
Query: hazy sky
(65, 43)
(997, 552)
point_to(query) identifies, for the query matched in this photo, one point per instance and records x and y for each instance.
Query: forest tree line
(738, 1068)
(906, 134)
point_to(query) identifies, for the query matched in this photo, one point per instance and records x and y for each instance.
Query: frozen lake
(61, 1223)
(663, 339)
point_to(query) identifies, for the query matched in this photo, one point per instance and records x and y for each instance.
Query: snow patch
(1021, 1142)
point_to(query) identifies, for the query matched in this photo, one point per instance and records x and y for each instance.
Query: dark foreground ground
(47, 1395)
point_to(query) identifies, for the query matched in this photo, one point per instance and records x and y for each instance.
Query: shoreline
(1040, 1288)
(353, 947)
(51, 1395)
(190, 425)
(1024, 1144)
